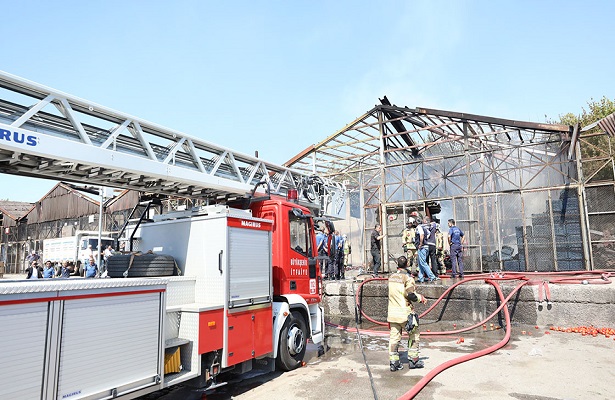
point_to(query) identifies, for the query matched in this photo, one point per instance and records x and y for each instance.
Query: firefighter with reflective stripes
(407, 241)
(440, 250)
(402, 292)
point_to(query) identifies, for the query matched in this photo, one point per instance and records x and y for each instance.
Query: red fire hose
(434, 372)
(541, 279)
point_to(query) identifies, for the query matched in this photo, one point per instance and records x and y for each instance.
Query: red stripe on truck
(249, 224)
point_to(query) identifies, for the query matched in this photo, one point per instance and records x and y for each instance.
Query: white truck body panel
(72, 248)
(81, 339)
(195, 244)
(249, 258)
(23, 328)
(127, 357)
(232, 265)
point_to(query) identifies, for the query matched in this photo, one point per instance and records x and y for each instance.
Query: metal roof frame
(403, 135)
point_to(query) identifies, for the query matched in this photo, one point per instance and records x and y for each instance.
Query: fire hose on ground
(540, 279)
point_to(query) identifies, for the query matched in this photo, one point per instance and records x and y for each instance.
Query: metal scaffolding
(529, 196)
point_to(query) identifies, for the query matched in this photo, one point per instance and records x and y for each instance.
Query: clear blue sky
(278, 76)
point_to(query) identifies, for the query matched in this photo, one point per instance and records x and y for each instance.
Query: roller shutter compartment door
(23, 329)
(249, 267)
(109, 342)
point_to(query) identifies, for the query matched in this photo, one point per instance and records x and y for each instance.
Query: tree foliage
(596, 111)
(597, 153)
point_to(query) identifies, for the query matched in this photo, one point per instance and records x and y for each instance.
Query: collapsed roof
(411, 134)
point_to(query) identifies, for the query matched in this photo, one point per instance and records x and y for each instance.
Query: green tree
(597, 153)
(596, 111)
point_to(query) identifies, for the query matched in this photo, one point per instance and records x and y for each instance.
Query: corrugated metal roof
(15, 209)
(608, 124)
(62, 202)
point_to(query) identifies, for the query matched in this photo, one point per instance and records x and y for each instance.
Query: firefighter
(401, 315)
(407, 240)
(347, 251)
(440, 250)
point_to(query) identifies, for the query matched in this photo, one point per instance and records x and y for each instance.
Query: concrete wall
(571, 305)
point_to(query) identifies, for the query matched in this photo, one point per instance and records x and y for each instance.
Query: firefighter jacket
(347, 248)
(407, 238)
(439, 240)
(401, 287)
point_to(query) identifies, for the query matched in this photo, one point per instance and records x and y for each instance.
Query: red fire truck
(241, 282)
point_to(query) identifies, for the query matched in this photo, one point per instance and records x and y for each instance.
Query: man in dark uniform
(456, 241)
(376, 246)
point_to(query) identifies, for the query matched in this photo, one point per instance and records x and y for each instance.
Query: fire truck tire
(144, 265)
(292, 343)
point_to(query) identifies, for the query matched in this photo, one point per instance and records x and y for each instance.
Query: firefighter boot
(415, 363)
(395, 366)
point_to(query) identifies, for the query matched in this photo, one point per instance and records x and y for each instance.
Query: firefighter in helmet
(407, 240)
(401, 315)
(440, 250)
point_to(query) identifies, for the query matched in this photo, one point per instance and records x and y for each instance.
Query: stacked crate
(567, 229)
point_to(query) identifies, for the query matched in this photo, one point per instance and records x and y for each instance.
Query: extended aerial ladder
(46, 133)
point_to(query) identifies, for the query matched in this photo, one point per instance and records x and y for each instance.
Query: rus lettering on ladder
(18, 137)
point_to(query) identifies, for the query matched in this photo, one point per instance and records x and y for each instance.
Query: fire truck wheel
(142, 265)
(292, 344)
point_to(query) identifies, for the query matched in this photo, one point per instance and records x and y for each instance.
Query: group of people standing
(65, 269)
(423, 244)
(334, 250)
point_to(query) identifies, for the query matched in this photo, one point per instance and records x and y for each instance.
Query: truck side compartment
(62, 337)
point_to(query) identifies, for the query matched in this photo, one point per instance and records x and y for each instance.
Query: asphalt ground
(533, 365)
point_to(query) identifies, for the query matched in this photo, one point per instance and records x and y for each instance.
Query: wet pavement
(533, 365)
